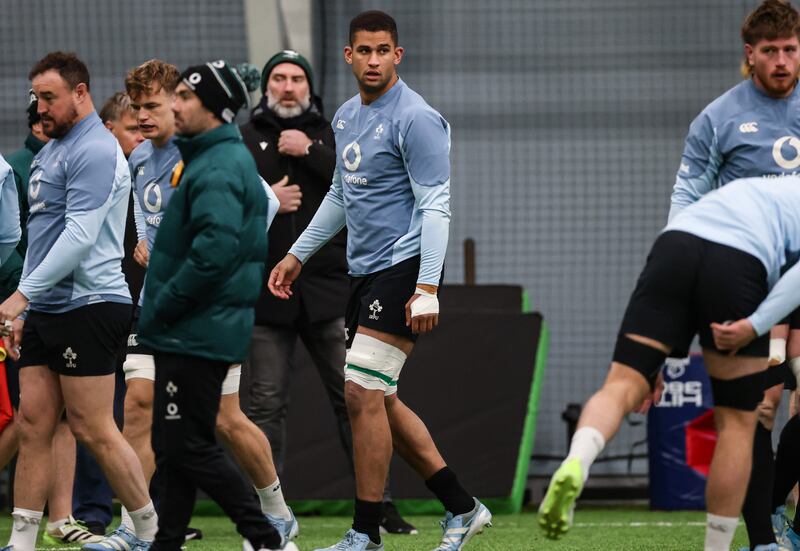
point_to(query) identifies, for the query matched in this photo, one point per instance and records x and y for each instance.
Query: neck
(771, 94)
(161, 141)
(368, 96)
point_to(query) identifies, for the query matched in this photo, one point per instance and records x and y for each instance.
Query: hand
(140, 254)
(283, 275)
(423, 322)
(10, 311)
(653, 397)
(294, 143)
(732, 336)
(289, 196)
(12, 342)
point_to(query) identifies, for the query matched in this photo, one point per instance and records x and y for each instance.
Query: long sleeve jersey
(78, 194)
(10, 231)
(391, 186)
(744, 133)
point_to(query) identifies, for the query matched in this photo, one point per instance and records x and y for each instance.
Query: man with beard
(77, 302)
(751, 131)
(293, 146)
(391, 188)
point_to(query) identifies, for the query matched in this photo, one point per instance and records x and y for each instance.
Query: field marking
(656, 524)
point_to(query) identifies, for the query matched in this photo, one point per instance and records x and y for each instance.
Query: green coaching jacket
(20, 162)
(207, 266)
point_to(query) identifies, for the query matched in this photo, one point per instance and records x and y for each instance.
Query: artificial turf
(596, 529)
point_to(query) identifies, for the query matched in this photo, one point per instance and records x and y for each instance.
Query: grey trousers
(268, 367)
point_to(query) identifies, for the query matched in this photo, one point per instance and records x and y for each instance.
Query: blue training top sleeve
(327, 222)
(780, 302)
(699, 167)
(138, 218)
(273, 203)
(90, 184)
(10, 231)
(425, 145)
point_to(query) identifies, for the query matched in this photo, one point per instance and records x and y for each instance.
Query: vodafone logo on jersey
(152, 197)
(783, 148)
(355, 149)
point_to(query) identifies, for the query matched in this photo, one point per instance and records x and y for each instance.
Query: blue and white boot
(459, 529)
(779, 522)
(354, 541)
(790, 540)
(121, 539)
(289, 529)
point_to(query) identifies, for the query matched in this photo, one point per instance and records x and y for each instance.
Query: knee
(229, 423)
(362, 401)
(138, 412)
(32, 425)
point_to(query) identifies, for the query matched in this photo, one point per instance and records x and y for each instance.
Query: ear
(81, 92)
(749, 52)
(348, 54)
(109, 125)
(398, 55)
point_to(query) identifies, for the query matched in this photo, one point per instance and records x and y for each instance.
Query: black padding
(641, 357)
(743, 393)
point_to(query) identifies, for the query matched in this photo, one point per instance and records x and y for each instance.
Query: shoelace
(349, 540)
(446, 543)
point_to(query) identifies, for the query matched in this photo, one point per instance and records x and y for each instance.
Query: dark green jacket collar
(34, 144)
(194, 146)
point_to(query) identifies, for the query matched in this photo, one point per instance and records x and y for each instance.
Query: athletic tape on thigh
(139, 366)
(373, 364)
(743, 393)
(230, 385)
(641, 357)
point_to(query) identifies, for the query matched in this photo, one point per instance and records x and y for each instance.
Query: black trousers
(185, 406)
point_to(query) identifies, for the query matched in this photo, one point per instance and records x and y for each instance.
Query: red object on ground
(701, 439)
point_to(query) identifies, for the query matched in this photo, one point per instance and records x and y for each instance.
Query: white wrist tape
(426, 303)
(777, 351)
(794, 365)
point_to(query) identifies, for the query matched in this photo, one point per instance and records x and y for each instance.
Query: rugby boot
(73, 532)
(121, 539)
(459, 529)
(790, 540)
(354, 541)
(558, 505)
(779, 524)
(393, 523)
(289, 529)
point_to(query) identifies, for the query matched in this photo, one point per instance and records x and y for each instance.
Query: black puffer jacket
(321, 292)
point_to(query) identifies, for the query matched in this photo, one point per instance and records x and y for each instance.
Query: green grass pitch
(595, 529)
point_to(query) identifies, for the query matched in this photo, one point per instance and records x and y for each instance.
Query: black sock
(757, 502)
(445, 486)
(367, 519)
(787, 461)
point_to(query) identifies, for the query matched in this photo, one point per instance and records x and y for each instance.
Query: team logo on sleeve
(777, 152)
(353, 147)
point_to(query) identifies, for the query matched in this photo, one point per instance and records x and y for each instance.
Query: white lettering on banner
(681, 393)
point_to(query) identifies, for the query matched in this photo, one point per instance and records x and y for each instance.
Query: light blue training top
(744, 133)
(10, 231)
(760, 216)
(391, 186)
(78, 193)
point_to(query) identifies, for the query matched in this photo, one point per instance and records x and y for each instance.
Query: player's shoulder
(96, 143)
(733, 101)
(140, 154)
(346, 112)
(411, 107)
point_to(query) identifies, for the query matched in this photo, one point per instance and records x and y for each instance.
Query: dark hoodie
(321, 292)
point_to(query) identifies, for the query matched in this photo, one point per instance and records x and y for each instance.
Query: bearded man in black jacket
(294, 150)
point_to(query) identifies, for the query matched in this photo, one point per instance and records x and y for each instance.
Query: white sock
(272, 502)
(719, 532)
(145, 522)
(24, 529)
(52, 526)
(587, 443)
(127, 521)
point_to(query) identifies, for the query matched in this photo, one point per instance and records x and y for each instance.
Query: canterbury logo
(747, 127)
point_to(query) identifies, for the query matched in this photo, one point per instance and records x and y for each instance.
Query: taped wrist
(777, 351)
(744, 393)
(426, 303)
